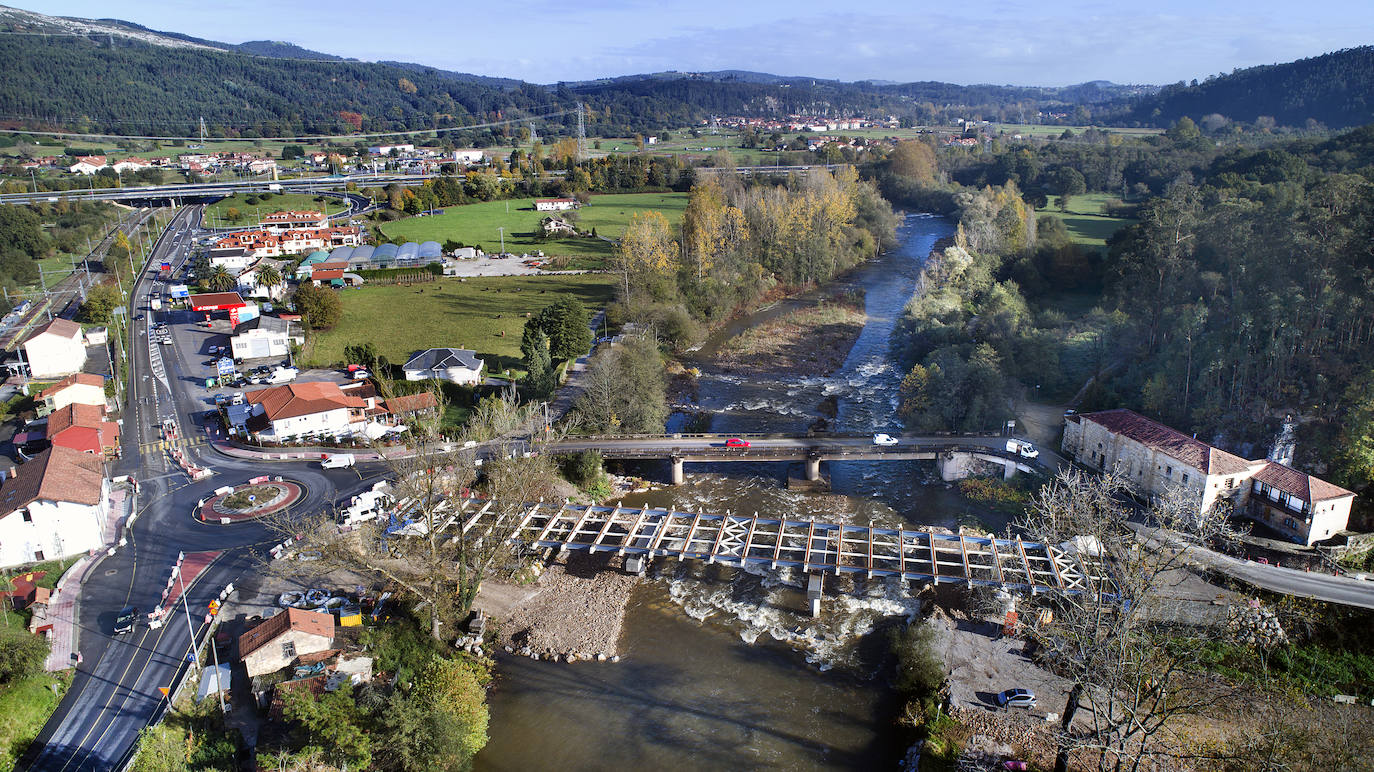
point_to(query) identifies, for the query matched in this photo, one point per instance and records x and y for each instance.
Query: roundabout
(249, 501)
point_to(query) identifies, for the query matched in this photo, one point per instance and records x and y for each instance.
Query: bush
(319, 306)
(21, 654)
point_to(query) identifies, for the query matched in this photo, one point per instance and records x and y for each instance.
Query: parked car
(1016, 698)
(885, 440)
(1022, 448)
(736, 442)
(126, 621)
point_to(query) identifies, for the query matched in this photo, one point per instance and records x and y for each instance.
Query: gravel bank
(577, 610)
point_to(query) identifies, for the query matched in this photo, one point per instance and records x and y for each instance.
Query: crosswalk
(161, 445)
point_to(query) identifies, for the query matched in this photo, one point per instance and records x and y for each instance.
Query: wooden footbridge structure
(817, 548)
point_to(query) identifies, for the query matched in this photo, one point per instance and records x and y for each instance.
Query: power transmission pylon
(202, 131)
(581, 134)
(534, 134)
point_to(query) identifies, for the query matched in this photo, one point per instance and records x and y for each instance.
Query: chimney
(9, 471)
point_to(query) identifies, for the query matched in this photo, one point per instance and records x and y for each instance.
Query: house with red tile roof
(83, 427)
(278, 641)
(278, 221)
(86, 388)
(53, 506)
(1154, 458)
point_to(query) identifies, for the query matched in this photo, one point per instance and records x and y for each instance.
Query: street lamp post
(503, 239)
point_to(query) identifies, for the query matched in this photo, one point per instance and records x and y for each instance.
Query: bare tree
(434, 549)
(1122, 646)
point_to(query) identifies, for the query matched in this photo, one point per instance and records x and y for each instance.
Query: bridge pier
(954, 466)
(814, 587)
(1008, 470)
(678, 477)
(636, 564)
(813, 468)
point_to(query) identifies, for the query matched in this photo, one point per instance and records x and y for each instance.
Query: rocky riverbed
(575, 611)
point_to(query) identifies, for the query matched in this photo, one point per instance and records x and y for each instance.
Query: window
(28, 517)
(1185, 478)
(288, 649)
(38, 555)
(1230, 483)
(1168, 471)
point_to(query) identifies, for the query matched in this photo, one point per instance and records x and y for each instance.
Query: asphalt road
(115, 690)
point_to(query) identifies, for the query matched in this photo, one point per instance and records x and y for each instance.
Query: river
(723, 669)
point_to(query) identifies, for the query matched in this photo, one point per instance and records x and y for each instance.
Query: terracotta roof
(297, 399)
(1174, 444)
(411, 403)
(326, 275)
(1300, 484)
(312, 622)
(337, 265)
(64, 328)
(56, 474)
(293, 215)
(83, 379)
(75, 414)
(213, 300)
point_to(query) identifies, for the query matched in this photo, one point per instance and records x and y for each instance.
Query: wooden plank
(934, 563)
(586, 513)
(870, 550)
(720, 533)
(602, 534)
(748, 539)
(686, 544)
(634, 530)
(1025, 561)
(806, 554)
(777, 546)
(996, 558)
(550, 523)
(662, 529)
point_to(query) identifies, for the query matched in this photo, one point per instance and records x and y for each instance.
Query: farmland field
(477, 224)
(486, 315)
(1086, 223)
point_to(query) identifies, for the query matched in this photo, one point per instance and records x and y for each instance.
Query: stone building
(1154, 458)
(278, 641)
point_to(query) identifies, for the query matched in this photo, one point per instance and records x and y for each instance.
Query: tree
(539, 372)
(914, 159)
(288, 152)
(332, 723)
(710, 228)
(364, 354)
(21, 654)
(232, 214)
(319, 306)
(100, 301)
(646, 249)
(1125, 666)
(269, 277)
(567, 326)
(626, 389)
(1068, 182)
(220, 280)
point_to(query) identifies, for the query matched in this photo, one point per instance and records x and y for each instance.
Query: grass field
(486, 315)
(1084, 219)
(478, 223)
(216, 213)
(24, 708)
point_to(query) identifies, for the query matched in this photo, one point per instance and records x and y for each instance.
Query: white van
(283, 375)
(1022, 448)
(338, 461)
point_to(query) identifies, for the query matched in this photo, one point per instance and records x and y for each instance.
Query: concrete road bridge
(815, 547)
(952, 454)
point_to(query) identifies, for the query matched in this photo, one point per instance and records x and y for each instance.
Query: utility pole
(503, 239)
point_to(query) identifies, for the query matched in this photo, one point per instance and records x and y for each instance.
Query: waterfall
(1285, 442)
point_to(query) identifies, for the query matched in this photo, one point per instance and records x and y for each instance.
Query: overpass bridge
(815, 547)
(953, 454)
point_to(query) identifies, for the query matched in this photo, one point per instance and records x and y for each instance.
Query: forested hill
(1335, 89)
(135, 88)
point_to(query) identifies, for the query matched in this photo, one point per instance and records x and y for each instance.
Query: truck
(274, 187)
(1022, 448)
(368, 505)
(338, 461)
(283, 375)
(155, 303)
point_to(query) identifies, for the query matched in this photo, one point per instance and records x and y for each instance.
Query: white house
(264, 336)
(554, 204)
(131, 165)
(249, 286)
(281, 221)
(454, 365)
(81, 388)
(88, 164)
(55, 349)
(233, 259)
(469, 156)
(386, 149)
(53, 506)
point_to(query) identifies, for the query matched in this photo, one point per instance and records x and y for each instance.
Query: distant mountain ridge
(59, 72)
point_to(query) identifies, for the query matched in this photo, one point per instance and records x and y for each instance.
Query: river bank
(573, 611)
(812, 340)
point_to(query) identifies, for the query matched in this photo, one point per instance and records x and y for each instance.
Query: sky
(1046, 42)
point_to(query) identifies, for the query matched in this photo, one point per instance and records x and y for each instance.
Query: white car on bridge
(885, 440)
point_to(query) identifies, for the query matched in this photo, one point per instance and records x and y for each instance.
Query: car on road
(1016, 698)
(885, 440)
(126, 621)
(338, 461)
(736, 442)
(1022, 448)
